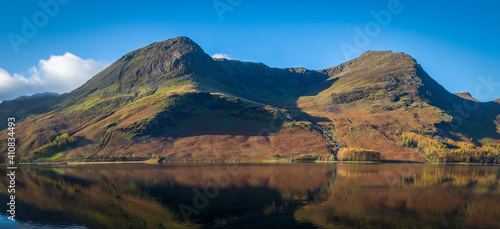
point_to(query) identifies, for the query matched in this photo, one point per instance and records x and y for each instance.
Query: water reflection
(258, 195)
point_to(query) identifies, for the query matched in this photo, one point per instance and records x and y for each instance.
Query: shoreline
(159, 161)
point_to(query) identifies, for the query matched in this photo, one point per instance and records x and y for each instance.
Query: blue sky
(455, 41)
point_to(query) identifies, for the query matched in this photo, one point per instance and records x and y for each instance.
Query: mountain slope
(174, 97)
(171, 99)
(377, 96)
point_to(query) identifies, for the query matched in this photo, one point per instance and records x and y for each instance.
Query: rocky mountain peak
(150, 66)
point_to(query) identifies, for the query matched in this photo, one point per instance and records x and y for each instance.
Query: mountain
(389, 93)
(171, 99)
(24, 106)
(466, 95)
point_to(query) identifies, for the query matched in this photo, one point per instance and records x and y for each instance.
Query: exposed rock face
(152, 65)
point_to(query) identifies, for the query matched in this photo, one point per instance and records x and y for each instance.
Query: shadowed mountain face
(25, 106)
(171, 99)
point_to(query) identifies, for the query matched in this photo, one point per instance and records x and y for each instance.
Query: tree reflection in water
(260, 195)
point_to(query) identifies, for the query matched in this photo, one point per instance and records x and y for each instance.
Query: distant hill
(466, 95)
(171, 99)
(24, 106)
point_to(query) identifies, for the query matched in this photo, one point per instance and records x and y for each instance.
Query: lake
(308, 195)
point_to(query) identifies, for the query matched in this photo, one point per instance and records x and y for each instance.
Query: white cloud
(57, 74)
(221, 55)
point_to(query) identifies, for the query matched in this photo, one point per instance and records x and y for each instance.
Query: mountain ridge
(467, 95)
(179, 102)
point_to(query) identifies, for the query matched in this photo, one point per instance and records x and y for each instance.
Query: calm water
(256, 196)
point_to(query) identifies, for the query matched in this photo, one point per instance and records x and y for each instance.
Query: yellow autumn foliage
(59, 142)
(357, 154)
(451, 151)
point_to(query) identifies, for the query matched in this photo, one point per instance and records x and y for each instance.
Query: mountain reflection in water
(257, 195)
